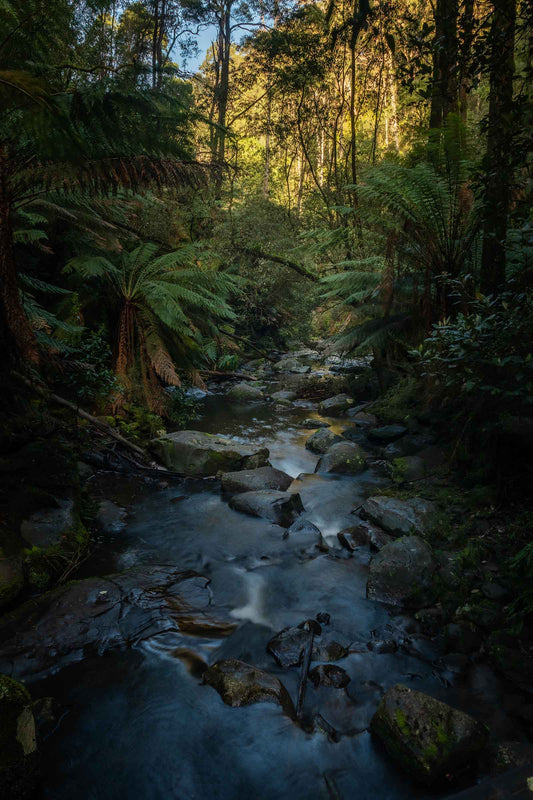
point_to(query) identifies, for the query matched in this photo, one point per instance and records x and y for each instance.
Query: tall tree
(498, 158)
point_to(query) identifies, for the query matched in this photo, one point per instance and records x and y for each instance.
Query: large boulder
(279, 507)
(251, 480)
(245, 393)
(399, 516)
(335, 406)
(429, 739)
(97, 614)
(201, 454)
(387, 433)
(402, 573)
(321, 440)
(240, 684)
(344, 458)
(18, 745)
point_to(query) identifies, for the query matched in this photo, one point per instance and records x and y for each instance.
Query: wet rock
(345, 458)
(314, 423)
(321, 440)
(97, 614)
(279, 507)
(502, 756)
(429, 739)
(18, 744)
(47, 526)
(249, 480)
(11, 579)
(110, 517)
(335, 406)
(363, 419)
(323, 618)
(493, 591)
(462, 637)
(283, 397)
(431, 620)
(402, 573)
(288, 645)
(240, 684)
(398, 516)
(387, 433)
(328, 650)
(245, 393)
(329, 675)
(304, 533)
(354, 537)
(201, 454)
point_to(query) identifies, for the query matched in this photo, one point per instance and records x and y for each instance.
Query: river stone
(402, 573)
(321, 440)
(47, 526)
(18, 745)
(363, 419)
(329, 675)
(288, 645)
(290, 365)
(279, 507)
(202, 454)
(244, 393)
(240, 684)
(387, 433)
(283, 397)
(354, 537)
(408, 468)
(97, 614)
(314, 423)
(429, 739)
(335, 406)
(344, 458)
(250, 480)
(398, 516)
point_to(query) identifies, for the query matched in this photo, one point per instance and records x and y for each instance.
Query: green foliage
(88, 375)
(183, 407)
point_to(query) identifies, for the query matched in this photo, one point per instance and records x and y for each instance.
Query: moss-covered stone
(241, 684)
(429, 739)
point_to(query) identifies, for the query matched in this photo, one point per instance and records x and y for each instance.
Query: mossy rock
(428, 738)
(241, 684)
(18, 745)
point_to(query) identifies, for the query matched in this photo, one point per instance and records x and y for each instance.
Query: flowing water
(141, 725)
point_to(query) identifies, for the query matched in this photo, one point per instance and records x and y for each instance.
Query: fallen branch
(102, 426)
(312, 627)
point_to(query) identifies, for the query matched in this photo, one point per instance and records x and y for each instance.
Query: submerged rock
(314, 423)
(240, 684)
(201, 454)
(344, 458)
(329, 675)
(249, 480)
(244, 393)
(399, 516)
(335, 406)
(402, 573)
(429, 739)
(279, 507)
(321, 440)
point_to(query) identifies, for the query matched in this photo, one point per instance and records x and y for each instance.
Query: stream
(140, 725)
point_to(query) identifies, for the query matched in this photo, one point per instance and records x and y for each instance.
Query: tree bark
(444, 98)
(498, 158)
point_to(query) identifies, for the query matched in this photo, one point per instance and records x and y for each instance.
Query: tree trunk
(498, 158)
(467, 28)
(224, 37)
(444, 98)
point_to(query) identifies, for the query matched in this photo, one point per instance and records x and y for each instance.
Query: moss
(399, 469)
(401, 721)
(398, 403)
